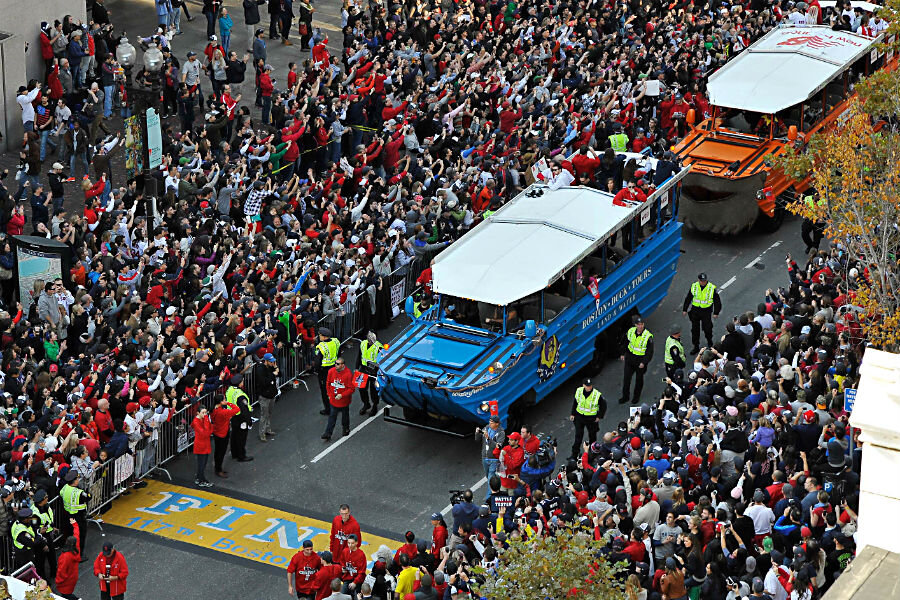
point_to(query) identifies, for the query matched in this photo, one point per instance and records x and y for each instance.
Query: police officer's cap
(24, 513)
(637, 319)
(702, 276)
(325, 332)
(237, 379)
(40, 495)
(71, 476)
(675, 330)
(587, 381)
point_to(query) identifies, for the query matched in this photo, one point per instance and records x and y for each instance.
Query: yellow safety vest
(487, 213)
(369, 352)
(673, 343)
(589, 405)
(417, 310)
(45, 517)
(17, 528)
(233, 394)
(619, 142)
(71, 497)
(329, 351)
(637, 344)
(703, 296)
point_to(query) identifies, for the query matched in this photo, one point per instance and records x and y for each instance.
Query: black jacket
(266, 380)
(251, 11)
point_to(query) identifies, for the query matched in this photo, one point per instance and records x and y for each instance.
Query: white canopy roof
(785, 67)
(530, 242)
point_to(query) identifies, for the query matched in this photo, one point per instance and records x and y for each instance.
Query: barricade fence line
(106, 482)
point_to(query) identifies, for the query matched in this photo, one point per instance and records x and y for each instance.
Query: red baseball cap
(809, 417)
(515, 436)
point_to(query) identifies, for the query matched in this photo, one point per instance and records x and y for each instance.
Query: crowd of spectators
(741, 481)
(257, 228)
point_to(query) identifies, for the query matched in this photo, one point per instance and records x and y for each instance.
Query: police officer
(28, 543)
(44, 513)
(587, 410)
(74, 501)
(703, 302)
(618, 141)
(368, 364)
(674, 358)
(327, 349)
(240, 423)
(637, 356)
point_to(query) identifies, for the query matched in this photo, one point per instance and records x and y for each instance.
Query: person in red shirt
(320, 54)
(438, 534)
(202, 426)
(265, 89)
(221, 421)
(353, 565)
(635, 547)
(342, 527)
(425, 278)
(340, 392)
(112, 571)
(512, 457)
(301, 572)
(585, 164)
(104, 421)
(530, 442)
(16, 223)
(508, 118)
(630, 193)
(67, 563)
(327, 573)
(409, 548)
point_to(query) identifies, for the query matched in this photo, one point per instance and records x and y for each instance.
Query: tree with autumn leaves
(562, 566)
(856, 171)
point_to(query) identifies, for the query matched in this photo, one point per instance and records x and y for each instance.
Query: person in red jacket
(512, 457)
(16, 223)
(340, 386)
(353, 566)
(67, 564)
(342, 527)
(301, 572)
(221, 421)
(112, 571)
(266, 88)
(327, 573)
(203, 428)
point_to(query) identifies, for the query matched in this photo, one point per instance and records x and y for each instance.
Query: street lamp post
(126, 55)
(145, 94)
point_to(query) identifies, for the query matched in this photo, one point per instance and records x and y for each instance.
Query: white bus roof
(866, 6)
(785, 67)
(531, 241)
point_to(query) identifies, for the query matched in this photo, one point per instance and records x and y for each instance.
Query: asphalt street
(392, 477)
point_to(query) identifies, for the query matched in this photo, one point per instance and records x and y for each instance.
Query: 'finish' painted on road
(251, 531)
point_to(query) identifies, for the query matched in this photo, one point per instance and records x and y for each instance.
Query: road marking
(337, 444)
(246, 530)
(758, 258)
(729, 282)
(477, 485)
